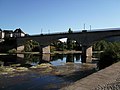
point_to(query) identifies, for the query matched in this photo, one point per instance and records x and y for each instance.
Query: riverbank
(66, 52)
(20, 53)
(47, 68)
(55, 52)
(106, 79)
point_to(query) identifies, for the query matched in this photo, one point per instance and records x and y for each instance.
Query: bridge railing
(80, 31)
(106, 29)
(58, 33)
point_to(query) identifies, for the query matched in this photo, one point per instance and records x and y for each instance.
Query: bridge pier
(44, 49)
(86, 54)
(20, 48)
(46, 57)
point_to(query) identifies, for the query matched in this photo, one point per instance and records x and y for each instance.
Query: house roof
(8, 31)
(18, 31)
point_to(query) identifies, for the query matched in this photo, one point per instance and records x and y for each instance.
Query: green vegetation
(31, 46)
(31, 58)
(12, 51)
(70, 30)
(58, 45)
(100, 45)
(62, 46)
(72, 45)
(111, 51)
(7, 44)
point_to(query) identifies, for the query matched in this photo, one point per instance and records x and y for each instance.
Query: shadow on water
(8, 59)
(77, 75)
(103, 63)
(106, 59)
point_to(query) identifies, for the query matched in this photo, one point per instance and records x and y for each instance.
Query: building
(0, 33)
(11, 33)
(7, 33)
(18, 33)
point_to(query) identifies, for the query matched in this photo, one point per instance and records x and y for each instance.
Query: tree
(100, 45)
(70, 30)
(69, 44)
(110, 55)
(31, 45)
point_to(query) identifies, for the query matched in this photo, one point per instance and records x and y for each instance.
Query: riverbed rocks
(15, 65)
(8, 70)
(19, 69)
(44, 68)
(43, 65)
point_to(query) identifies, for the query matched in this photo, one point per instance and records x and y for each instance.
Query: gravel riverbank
(106, 79)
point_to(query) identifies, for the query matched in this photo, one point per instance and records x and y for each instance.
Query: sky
(51, 16)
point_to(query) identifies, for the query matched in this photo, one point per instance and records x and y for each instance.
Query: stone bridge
(85, 38)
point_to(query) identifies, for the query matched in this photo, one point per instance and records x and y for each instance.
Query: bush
(31, 45)
(12, 51)
(100, 46)
(110, 55)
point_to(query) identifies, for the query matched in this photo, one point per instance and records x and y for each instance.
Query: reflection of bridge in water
(76, 58)
(45, 57)
(30, 59)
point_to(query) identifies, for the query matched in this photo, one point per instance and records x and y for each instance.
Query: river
(65, 69)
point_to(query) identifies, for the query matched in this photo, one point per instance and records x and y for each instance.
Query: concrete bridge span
(85, 38)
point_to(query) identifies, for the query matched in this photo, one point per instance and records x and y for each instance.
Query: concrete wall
(89, 54)
(46, 57)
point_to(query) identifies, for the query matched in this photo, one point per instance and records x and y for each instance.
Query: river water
(66, 69)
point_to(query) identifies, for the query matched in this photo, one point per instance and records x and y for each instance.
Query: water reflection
(6, 60)
(28, 60)
(34, 59)
(64, 58)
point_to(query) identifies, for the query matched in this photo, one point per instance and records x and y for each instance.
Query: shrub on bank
(31, 45)
(110, 55)
(112, 51)
(12, 51)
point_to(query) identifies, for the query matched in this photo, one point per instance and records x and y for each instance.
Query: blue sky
(50, 16)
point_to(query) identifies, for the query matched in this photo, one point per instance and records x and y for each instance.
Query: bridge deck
(106, 79)
(79, 31)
